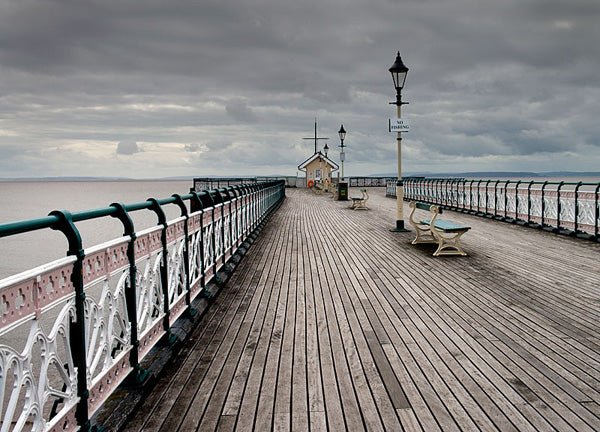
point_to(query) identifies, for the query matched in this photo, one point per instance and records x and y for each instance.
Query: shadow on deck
(331, 322)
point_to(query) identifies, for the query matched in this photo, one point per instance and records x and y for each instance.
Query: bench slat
(447, 225)
(425, 206)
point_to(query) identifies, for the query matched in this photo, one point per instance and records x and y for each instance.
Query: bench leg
(449, 245)
(423, 234)
(360, 205)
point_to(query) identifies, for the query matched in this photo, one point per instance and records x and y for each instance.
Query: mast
(315, 138)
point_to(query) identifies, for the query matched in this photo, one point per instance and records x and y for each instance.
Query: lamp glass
(342, 133)
(399, 72)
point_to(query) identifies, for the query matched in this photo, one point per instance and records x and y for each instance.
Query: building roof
(317, 155)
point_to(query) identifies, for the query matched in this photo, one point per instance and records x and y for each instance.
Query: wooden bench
(318, 188)
(445, 233)
(334, 191)
(360, 203)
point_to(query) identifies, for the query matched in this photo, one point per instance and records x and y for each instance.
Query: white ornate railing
(72, 330)
(571, 208)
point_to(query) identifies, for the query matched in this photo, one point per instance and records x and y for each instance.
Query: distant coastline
(89, 179)
(475, 174)
(499, 174)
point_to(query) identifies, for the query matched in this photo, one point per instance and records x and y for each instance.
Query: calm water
(29, 200)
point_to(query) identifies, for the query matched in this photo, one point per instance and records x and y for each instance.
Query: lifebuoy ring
(310, 183)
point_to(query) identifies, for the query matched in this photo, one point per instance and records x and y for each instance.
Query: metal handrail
(147, 279)
(571, 208)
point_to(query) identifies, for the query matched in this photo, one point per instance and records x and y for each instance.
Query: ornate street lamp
(342, 133)
(399, 72)
(326, 149)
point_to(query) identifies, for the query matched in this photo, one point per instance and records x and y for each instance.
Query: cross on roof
(315, 137)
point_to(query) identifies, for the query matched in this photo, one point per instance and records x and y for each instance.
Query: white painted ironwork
(176, 270)
(149, 296)
(570, 206)
(208, 244)
(195, 253)
(38, 376)
(218, 235)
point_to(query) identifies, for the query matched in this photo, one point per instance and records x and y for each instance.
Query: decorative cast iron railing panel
(368, 181)
(566, 207)
(72, 330)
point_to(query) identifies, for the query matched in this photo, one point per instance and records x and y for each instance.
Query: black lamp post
(342, 133)
(326, 149)
(399, 72)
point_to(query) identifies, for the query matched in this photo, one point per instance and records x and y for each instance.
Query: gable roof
(317, 155)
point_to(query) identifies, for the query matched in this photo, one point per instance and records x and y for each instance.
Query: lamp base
(399, 227)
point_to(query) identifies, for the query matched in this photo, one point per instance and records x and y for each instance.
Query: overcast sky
(219, 87)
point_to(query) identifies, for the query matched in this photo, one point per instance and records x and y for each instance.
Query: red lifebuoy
(310, 183)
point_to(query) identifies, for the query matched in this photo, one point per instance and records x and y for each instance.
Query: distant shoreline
(502, 174)
(478, 174)
(90, 179)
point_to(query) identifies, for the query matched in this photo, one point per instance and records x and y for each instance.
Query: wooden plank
(162, 403)
(262, 411)
(198, 387)
(357, 357)
(334, 323)
(299, 406)
(316, 403)
(254, 352)
(347, 394)
(257, 405)
(332, 400)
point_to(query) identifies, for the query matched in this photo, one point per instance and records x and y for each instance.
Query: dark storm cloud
(246, 79)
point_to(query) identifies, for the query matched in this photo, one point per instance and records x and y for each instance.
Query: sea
(22, 200)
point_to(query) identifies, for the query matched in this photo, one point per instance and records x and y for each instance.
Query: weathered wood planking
(332, 322)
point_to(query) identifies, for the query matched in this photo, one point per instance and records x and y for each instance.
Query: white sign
(398, 125)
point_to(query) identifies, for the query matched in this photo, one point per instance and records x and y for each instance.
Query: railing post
(222, 217)
(558, 206)
(454, 193)
(597, 214)
(214, 236)
(243, 208)
(196, 204)
(77, 329)
(138, 374)
(531, 183)
(164, 265)
(471, 195)
(236, 191)
(427, 190)
(186, 243)
(576, 222)
(517, 201)
(506, 199)
(543, 203)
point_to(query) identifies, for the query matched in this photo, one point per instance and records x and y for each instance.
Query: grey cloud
(192, 148)
(128, 148)
(486, 78)
(239, 111)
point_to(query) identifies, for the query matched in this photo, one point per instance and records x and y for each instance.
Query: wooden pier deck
(332, 322)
